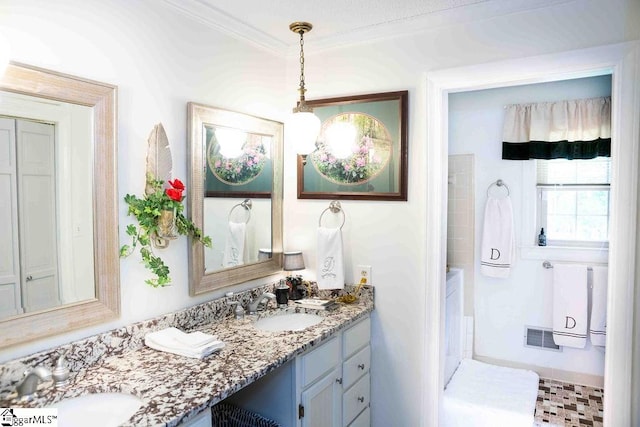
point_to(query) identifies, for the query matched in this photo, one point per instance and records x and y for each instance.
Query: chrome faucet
(29, 385)
(259, 303)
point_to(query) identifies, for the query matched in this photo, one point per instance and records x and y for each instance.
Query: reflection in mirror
(236, 196)
(59, 268)
(47, 213)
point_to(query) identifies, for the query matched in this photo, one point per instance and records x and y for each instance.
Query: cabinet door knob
(361, 366)
(361, 399)
(339, 380)
(29, 278)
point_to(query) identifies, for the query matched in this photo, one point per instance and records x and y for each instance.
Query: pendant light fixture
(303, 125)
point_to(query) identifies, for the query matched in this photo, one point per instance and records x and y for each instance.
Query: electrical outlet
(364, 274)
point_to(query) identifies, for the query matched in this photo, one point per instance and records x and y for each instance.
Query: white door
(37, 215)
(10, 301)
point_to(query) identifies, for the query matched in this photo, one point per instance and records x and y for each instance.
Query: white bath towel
(172, 340)
(234, 245)
(598, 323)
(330, 263)
(497, 252)
(570, 305)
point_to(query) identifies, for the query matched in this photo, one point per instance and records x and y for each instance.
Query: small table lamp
(294, 261)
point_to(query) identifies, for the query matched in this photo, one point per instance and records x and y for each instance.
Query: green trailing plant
(147, 211)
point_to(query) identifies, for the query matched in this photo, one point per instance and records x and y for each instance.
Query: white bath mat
(483, 395)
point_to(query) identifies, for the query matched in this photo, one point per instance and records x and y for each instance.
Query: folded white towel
(173, 340)
(234, 245)
(598, 324)
(570, 305)
(497, 251)
(330, 263)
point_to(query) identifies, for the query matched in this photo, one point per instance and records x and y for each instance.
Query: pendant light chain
(302, 89)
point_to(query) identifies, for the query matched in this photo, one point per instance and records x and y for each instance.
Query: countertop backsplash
(84, 353)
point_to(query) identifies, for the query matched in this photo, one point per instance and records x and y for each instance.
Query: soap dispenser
(61, 372)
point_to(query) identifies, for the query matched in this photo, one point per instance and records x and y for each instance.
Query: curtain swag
(574, 129)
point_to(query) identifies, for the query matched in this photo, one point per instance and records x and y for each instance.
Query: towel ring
(498, 183)
(334, 207)
(247, 205)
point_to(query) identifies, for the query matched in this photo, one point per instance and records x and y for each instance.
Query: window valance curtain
(573, 129)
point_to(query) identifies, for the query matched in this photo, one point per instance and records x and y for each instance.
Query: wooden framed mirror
(25, 320)
(231, 189)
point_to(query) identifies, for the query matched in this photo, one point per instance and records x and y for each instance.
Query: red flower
(174, 193)
(177, 184)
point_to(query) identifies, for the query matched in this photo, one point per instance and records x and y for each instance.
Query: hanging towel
(598, 323)
(330, 262)
(234, 245)
(498, 238)
(173, 340)
(570, 305)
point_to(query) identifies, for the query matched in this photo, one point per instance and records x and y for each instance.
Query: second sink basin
(97, 409)
(288, 322)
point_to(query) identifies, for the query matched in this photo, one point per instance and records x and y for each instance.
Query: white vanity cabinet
(333, 380)
(327, 386)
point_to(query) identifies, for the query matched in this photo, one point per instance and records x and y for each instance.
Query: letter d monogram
(567, 320)
(495, 254)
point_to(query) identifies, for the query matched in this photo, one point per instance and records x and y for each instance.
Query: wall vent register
(541, 338)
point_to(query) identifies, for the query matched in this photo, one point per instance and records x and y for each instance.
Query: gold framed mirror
(102, 303)
(236, 196)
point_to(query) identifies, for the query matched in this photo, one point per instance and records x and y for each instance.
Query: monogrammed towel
(330, 265)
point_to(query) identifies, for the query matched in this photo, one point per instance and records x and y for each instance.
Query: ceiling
(340, 22)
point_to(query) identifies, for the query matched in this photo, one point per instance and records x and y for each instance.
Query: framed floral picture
(361, 151)
(238, 163)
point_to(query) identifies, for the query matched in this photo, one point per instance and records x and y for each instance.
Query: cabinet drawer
(356, 366)
(357, 337)
(363, 420)
(320, 361)
(355, 400)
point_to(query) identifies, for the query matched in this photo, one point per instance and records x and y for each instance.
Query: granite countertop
(175, 388)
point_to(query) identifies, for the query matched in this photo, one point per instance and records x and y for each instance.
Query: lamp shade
(293, 261)
(264, 253)
(303, 128)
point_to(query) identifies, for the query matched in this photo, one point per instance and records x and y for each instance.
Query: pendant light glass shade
(303, 128)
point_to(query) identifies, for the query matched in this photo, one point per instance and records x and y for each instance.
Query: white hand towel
(598, 324)
(330, 263)
(171, 340)
(497, 252)
(234, 245)
(570, 305)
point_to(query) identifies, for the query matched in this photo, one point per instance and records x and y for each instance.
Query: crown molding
(229, 25)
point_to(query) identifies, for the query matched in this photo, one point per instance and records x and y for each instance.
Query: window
(573, 201)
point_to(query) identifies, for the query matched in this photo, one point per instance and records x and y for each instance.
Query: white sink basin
(97, 410)
(288, 322)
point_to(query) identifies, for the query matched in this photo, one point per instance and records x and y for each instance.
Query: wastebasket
(227, 415)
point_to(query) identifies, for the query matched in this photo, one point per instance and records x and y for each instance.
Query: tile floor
(569, 405)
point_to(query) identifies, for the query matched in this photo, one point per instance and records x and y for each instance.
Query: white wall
(504, 306)
(391, 236)
(160, 60)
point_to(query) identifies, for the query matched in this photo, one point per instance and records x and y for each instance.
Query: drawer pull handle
(361, 399)
(361, 366)
(339, 380)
